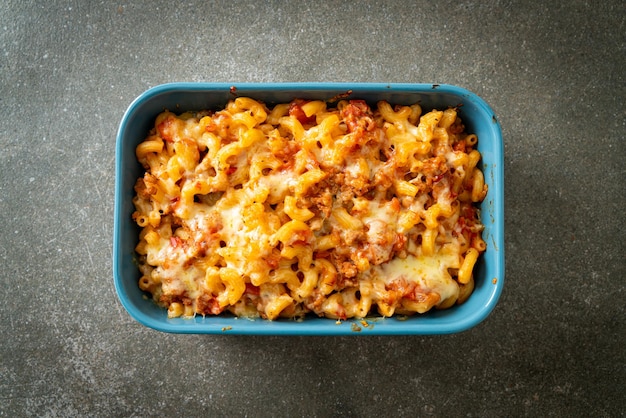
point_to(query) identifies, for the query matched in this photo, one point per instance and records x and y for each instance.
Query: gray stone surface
(553, 73)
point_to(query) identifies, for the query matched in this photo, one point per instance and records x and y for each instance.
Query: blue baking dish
(478, 118)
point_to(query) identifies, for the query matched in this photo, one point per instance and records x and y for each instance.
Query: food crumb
(338, 322)
(365, 324)
(495, 280)
(355, 327)
(228, 328)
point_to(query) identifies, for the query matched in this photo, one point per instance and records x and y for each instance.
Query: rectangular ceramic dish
(179, 97)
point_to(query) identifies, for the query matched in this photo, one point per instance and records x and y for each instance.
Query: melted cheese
(232, 224)
(428, 273)
(279, 185)
(303, 218)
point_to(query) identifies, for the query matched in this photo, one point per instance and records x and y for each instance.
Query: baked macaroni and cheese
(340, 210)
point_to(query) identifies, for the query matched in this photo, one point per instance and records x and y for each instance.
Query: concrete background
(554, 72)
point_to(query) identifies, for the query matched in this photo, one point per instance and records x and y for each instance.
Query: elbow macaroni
(342, 211)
